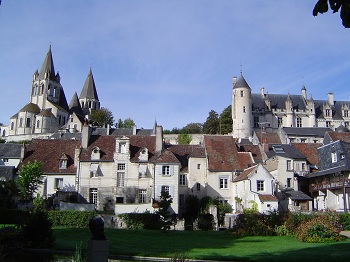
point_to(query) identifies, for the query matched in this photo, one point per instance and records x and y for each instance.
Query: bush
(253, 224)
(13, 216)
(294, 220)
(9, 237)
(71, 218)
(323, 228)
(345, 220)
(206, 222)
(145, 220)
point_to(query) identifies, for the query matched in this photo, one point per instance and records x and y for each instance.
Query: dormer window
(328, 112)
(346, 113)
(95, 154)
(63, 162)
(143, 155)
(122, 148)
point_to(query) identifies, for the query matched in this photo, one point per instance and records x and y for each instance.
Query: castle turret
(88, 97)
(241, 109)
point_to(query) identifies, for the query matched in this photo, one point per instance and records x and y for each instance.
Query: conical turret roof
(241, 83)
(48, 66)
(74, 105)
(89, 89)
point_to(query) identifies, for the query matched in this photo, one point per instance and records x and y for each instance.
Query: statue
(96, 226)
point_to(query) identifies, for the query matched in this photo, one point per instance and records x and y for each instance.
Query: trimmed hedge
(206, 222)
(144, 220)
(71, 218)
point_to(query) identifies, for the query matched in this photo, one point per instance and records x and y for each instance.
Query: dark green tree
(164, 205)
(184, 139)
(211, 125)
(226, 122)
(29, 179)
(322, 6)
(102, 117)
(192, 128)
(8, 190)
(127, 123)
(191, 208)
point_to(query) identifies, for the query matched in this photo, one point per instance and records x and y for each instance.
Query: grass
(211, 245)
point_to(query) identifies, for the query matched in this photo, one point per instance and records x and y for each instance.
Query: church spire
(74, 105)
(89, 89)
(47, 69)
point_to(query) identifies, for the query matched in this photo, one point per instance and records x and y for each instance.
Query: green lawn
(206, 245)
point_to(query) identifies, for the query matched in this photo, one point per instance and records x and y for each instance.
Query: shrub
(294, 220)
(9, 237)
(345, 220)
(13, 216)
(322, 228)
(206, 222)
(253, 224)
(145, 220)
(71, 218)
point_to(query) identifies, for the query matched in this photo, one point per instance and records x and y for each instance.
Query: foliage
(184, 139)
(192, 128)
(145, 220)
(205, 203)
(294, 220)
(71, 218)
(9, 237)
(335, 5)
(8, 190)
(29, 179)
(206, 221)
(102, 117)
(191, 207)
(37, 230)
(13, 216)
(2, 141)
(164, 213)
(226, 123)
(322, 228)
(223, 208)
(211, 125)
(127, 123)
(345, 220)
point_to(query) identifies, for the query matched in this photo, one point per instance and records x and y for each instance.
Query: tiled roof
(343, 136)
(139, 142)
(254, 150)
(223, 155)
(244, 175)
(166, 157)
(10, 150)
(270, 138)
(267, 197)
(184, 152)
(31, 107)
(49, 152)
(309, 150)
(106, 144)
(46, 113)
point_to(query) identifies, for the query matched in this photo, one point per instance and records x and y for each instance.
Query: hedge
(70, 218)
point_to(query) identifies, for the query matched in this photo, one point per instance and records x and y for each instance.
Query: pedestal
(98, 251)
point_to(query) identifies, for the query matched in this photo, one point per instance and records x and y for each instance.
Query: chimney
(23, 152)
(265, 145)
(262, 91)
(331, 99)
(234, 80)
(159, 139)
(134, 130)
(85, 136)
(108, 128)
(76, 156)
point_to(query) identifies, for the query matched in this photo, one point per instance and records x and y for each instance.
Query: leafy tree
(102, 117)
(192, 128)
(223, 208)
(204, 204)
(8, 190)
(127, 123)
(29, 179)
(336, 5)
(184, 139)
(164, 205)
(211, 125)
(191, 207)
(226, 121)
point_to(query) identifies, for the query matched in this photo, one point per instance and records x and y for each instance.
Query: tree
(191, 208)
(192, 128)
(226, 121)
(127, 123)
(336, 5)
(102, 117)
(211, 125)
(29, 179)
(184, 139)
(8, 190)
(164, 205)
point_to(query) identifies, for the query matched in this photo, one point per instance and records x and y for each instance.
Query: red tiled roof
(167, 157)
(183, 152)
(343, 136)
(244, 175)
(139, 142)
(254, 149)
(270, 138)
(223, 155)
(106, 144)
(263, 197)
(309, 150)
(49, 152)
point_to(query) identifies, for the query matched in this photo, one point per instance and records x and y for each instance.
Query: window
(280, 121)
(289, 182)
(94, 170)
(198, 166)
(256, 121)
(328, 112)
(12, 125)
(5, 160)
(20, 122)
(142, 195)
(299, 122)
(260, 185)
(63, 164)
(90, 104)
(223, 183)
(165, 170)
(342, 156)
(28, 122)
(166, 189)
(242, 93)
(82, 104)
(289, 165)
(120, 179)
(38, 123)
(182, 180)
(93, 195)
(71, 119)
(334, 157)
(58, 183)
(346, 113)
(122, 148)
(243, 109)
(119, 200)
(198, 186)
(121, 166)
(328, 123)
(303, 166)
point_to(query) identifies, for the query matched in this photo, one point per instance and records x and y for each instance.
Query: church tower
(88, 97)
(241, 108)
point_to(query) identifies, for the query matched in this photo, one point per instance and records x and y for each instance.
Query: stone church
(47, 110)
(257, 111)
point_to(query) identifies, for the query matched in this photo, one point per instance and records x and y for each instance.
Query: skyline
(172, 61)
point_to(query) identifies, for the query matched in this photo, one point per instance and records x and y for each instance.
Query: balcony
(331, 184)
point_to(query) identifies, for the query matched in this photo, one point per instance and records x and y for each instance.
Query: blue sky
(172, 61)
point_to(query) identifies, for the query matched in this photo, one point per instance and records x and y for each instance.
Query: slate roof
(223, 154)
(309, 150)
(7, 172)
(241, 82)
(89, 88)
(31, 107)
(48, 65)
(336, 108)
(66, 136)
(277, 101)
(50, 151)
(106, 144)
(184, 152)
(284, 150)
(10, 150)
(74, 106)
(296, 195)
(267, 198)
(46, 113)
(306, 131)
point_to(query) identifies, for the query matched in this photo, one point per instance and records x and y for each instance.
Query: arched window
(28, 122)
(20, 122)
(12, 125)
